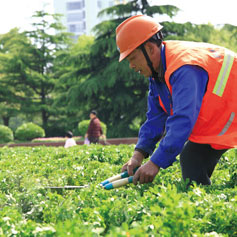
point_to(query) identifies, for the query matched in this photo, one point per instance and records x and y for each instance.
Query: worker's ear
(150, 47)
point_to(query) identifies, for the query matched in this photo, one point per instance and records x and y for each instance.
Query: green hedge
(29, 131)
(83, 126)
(163, 208)
(6, 134)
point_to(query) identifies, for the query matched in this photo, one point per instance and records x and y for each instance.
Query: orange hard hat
(134, 31)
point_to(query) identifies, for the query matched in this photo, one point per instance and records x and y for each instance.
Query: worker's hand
(133, 163)
(146, 173)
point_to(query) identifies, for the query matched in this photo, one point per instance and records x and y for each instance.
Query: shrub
(6, 134)
(29, 131)
(83, 126)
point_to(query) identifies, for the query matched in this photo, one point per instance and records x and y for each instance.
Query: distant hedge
(84, 124)
(29, 131)
(6, 134)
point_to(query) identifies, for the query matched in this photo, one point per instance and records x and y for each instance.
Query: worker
(192, 102)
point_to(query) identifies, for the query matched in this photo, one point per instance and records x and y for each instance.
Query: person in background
(70, 141)
(192, 102)
(94, 130)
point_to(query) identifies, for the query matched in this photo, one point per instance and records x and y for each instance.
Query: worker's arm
(150, 132)
(153, 128)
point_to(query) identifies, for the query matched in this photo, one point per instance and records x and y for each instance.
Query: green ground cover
(163, 208)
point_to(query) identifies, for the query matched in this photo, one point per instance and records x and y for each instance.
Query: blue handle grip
(114, 185)
(121, 176)
(125, 173)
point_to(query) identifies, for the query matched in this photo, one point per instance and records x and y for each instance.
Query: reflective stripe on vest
(224, 73)
(227, 125)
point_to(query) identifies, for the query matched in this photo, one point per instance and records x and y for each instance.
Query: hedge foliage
(164, 208)
(83, 126)
(6, 134)
(29, 131)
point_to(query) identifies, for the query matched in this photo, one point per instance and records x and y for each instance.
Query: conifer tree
(92, 78)
(118, 94)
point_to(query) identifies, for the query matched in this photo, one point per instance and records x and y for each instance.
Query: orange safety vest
(217, 121)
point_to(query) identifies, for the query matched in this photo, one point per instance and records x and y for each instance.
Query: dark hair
(93, 112)
(156, 38)
(69, 134)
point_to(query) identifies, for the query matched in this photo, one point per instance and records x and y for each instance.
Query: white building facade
(80, 16)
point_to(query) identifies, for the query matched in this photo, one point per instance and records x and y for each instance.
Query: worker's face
(138, 63)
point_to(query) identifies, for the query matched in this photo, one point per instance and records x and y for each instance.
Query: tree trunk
(44, 118)
(5, 120)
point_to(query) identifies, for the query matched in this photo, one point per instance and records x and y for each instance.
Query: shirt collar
(162, 66)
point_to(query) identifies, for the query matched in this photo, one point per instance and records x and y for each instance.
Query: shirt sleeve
(153, 128)
(90, 127)
(188, 88)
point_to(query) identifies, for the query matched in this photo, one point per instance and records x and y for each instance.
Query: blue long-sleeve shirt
(188, 88)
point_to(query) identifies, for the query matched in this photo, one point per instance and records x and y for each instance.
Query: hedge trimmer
(67, 187)
(116, 181)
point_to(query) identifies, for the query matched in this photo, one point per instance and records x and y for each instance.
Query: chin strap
(149, 63)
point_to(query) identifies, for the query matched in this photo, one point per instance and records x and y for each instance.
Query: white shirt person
(70, 141)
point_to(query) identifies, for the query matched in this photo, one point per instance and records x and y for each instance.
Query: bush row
(25, 132)
(29, 131)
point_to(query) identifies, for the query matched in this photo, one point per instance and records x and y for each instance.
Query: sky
(17, 13)
(204, 11)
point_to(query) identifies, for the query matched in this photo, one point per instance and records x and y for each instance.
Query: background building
(80, 16)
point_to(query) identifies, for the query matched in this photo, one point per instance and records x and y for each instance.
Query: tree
(226, 36)
(117, 93)
(72, 67)
(47, 38)
(29, 64)
(11, 92)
